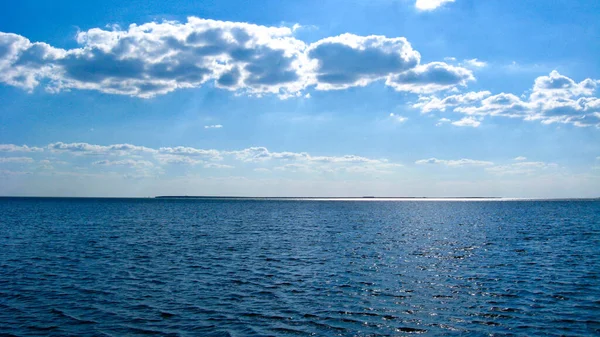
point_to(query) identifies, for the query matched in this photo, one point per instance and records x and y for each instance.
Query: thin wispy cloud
(144, 158)
(398, 118)
(429, 5)
(19, 160)
(454, 163)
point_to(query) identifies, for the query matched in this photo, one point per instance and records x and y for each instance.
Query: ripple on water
(116, 267)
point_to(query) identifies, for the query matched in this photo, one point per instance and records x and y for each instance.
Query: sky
(300, 98)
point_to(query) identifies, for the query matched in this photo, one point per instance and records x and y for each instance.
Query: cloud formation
(19, 148)
(156, 58)
(151, 161)
(474, 63)
(126, 162)
(467, 121)
(454, 163)
(91, 149)
(429, 5)
(522, 167)
(18, 160)
(431, 77)
(350, 60)
(398, 118)
(553, 99)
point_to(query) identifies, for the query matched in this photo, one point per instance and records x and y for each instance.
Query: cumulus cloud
(453, 163)
(467, 121)
(91, 149)
(428, 5)
(431, 103)
(156, 58)
(351, 60)
(553, 99)
(215, 126)
(431, 77)
(19, 148)
(520, 158)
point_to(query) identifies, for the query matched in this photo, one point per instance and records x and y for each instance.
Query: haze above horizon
(392, 97)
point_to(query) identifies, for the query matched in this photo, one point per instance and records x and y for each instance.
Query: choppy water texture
(326, 268)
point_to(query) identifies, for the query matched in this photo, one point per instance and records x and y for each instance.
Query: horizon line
(230, 197)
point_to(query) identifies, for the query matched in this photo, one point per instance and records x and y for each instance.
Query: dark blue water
(280, 268)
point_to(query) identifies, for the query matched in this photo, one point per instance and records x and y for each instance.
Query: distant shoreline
(363, 197)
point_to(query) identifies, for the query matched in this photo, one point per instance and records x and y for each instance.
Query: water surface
(291, 268)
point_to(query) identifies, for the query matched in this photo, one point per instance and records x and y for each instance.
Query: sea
(299, 267)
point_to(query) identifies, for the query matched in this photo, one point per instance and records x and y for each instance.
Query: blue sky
(300, 98)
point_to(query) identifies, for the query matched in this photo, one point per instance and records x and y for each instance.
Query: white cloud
(441, 121)
(89, 149)
(431, 77)
(126, 162)
(252, 154)
(262, 154)
(295, 168)
(215, 126)
(467, 121)
(553, 99)
(156, 58)
(347, 159)
(351, 60)
(150, 161)
(454, 163)
(557, 85)
(398, 118)
(19, 148)
(520, 158)
(431, 103)
(191, 152)
(474, 63)
(523, 167)
(19, 160)
(169, 159)
(428, 5)
(217, 166)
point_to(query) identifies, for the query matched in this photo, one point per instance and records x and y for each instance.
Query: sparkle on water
(287, 267)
